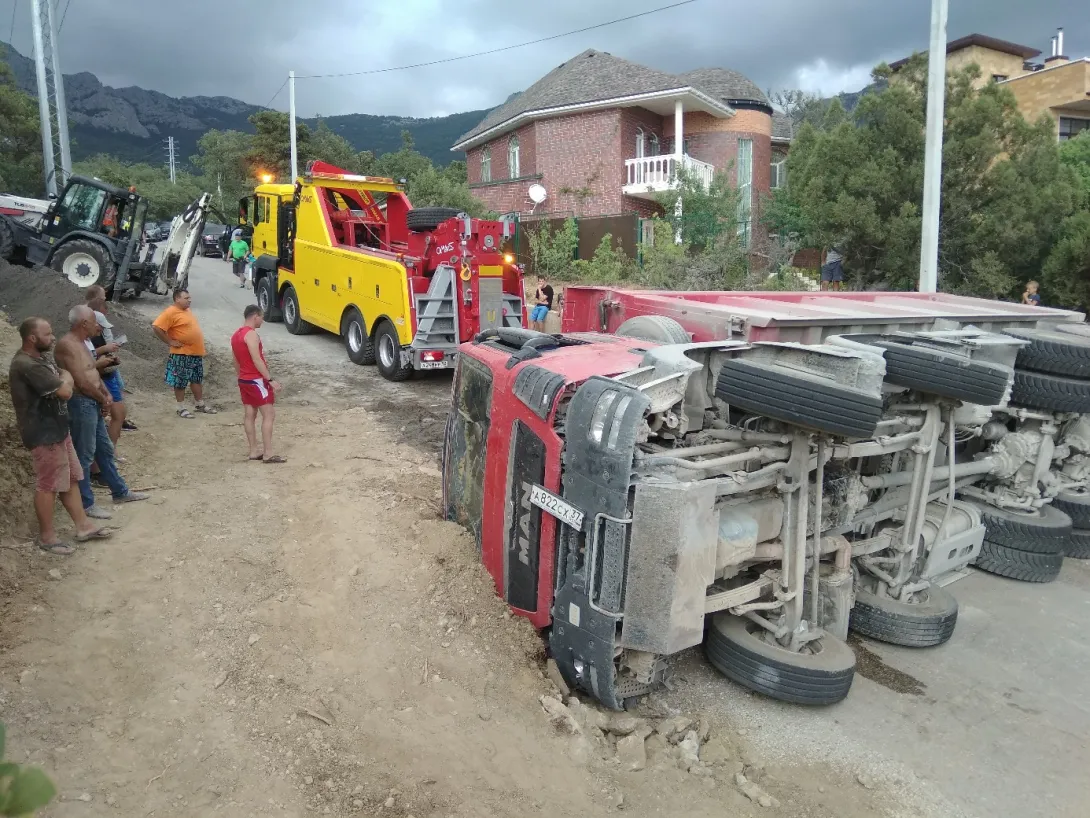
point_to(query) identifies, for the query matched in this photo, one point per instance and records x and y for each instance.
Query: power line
(63, 15)
(274, 96)
(496, 50)
(14, 8)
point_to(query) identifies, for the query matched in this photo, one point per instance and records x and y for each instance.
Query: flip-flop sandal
(207, 410)
(259, 457)
(185, 413)
(58, 549)
(97, 534)
(274, 459)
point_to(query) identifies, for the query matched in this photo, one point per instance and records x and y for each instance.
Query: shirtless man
(87, 408)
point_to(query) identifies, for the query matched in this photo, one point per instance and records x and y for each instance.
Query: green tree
(706, 212)
(333, 148)
(165, 200)
(223, 159)
(270, 150)
(404, 163)
(857, 183)
(608, 265)
(552, 252)
(20, 138)
(1075, 154)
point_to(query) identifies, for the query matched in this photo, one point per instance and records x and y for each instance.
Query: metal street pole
(43, 98)
(59, 101)
(291, 118)
(932, 179)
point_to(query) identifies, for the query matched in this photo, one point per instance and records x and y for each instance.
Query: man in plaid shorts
(177, 327)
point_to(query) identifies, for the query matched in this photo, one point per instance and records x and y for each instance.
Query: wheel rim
(263, 299)
(355, 336)
(289, 310)
(386, 351)
(82, 269)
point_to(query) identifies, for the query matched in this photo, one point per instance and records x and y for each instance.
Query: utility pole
(932, 179)
(170, 159)
(52, 111)
(291, 119)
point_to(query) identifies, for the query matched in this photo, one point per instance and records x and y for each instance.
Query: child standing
(1031, 296)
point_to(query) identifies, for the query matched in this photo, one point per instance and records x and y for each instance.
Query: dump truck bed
(803, 317)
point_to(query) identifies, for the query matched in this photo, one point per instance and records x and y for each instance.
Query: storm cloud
(244, 48)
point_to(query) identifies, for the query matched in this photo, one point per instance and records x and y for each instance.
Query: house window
(513, 157)
(640, 143)
(1070, 127)
(779, 174)
(486, 165)
(745, 190)
(654, 145)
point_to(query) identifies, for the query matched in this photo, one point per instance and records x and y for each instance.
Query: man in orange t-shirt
(177, 327)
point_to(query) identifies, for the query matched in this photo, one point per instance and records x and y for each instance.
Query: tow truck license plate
(549, 502)
(446, 363)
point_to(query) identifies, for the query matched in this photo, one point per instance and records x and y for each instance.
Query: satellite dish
(537, 194)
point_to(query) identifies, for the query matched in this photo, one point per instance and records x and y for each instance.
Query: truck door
(265, 239)
(80, 208)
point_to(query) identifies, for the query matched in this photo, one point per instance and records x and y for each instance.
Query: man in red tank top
(256, 385)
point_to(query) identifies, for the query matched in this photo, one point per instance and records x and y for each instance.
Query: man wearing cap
(237, 252)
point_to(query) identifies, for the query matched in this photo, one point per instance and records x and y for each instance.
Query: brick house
(1057, 87)
(604, 135)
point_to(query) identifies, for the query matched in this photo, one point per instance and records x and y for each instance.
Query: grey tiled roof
(783, 128)
(724, 84)
(597, 75)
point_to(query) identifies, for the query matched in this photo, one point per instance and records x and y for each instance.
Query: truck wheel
(361, 349)
(293, 323)
(266, 299)
(939, 372)
(1077, 545)
(7, 240)
(84, 263)
(799, 398)
(1021, 565)
(736, 648)
(1076, 505)
(426, 219)
(1040, 532)
(657, 329)
(922, 624)
(388, 354)
(1057, 351)
(1054, 393)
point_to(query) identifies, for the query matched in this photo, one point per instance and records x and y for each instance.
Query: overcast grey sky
(244, 48)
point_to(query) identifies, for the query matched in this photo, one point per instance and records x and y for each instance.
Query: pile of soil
(43, 292)
(15, 466)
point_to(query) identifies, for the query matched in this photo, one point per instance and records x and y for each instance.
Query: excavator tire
(7, 240)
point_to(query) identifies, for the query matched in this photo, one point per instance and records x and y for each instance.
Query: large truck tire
(266, 299)
(426, 219)
(735, 648)
(1076, 505)
(1053, 393)
(658, 329)
(922, 624)
(1012, 563)
(7, 240)
(388, 354)
(1077, 545)
(1055, 351)
(293, 321)
(1041, 532)
(799, 398)
(358, 344)
(85, 263)
(939, 372)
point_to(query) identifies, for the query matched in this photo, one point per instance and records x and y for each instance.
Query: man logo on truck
(524, 525)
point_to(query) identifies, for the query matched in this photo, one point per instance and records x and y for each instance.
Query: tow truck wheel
(361, 349)
(293, 323)
(925, 623)
(7, 240)
(388, 354)
(657, 329)
(1013, 563)
(266, 299)
(736, 647)
(84, 263)
(426, 219)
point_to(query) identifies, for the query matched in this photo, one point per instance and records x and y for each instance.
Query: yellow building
(1058, 87)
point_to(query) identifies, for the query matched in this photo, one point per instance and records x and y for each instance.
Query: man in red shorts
(39, 393)
(256, 385)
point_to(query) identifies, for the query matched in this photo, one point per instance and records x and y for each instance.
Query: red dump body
(803, 317)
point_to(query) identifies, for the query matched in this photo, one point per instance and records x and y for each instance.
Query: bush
(607, 266)
(23, 790)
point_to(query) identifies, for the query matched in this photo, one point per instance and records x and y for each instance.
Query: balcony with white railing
(648, 175)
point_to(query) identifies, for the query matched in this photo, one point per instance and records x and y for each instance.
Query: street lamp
(932, 163)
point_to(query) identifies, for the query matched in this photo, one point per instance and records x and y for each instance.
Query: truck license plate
(433, 365)
(549, 502)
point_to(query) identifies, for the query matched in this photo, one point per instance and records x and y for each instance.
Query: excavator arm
(181, 246)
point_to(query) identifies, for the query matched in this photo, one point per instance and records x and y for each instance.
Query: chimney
(1057, 57)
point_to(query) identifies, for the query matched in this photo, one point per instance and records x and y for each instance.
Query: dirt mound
(15, 465)
(40, 291)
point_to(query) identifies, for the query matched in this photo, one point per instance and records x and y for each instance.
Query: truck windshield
(464, 459)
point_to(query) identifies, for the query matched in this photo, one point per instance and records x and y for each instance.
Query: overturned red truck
(760, 473)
